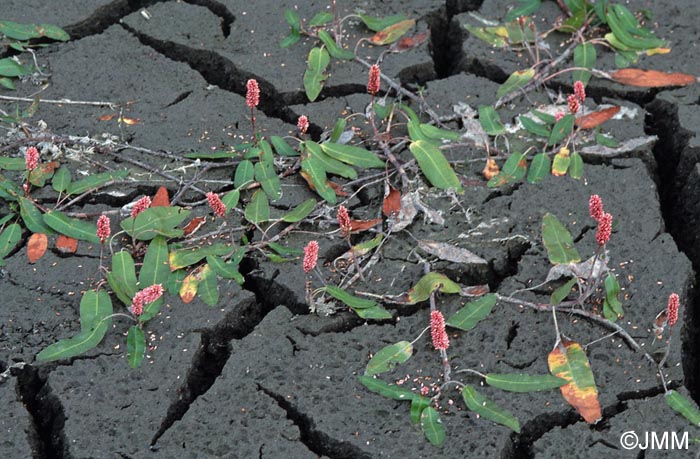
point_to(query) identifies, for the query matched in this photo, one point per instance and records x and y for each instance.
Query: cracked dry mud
(258, 376)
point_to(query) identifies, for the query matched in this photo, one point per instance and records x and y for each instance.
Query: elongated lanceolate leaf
(584, 56)
(393, 32)
(258, 209)
(267, 177)
(182, 258)
(352, 155)
(32, 217)
(523, 383)
(435, 166)
(373, 313)
(72, 227)
(432, 426)
(428, 284)
(155, 270)
(317, 175)
(135, 346)
(333, 48)
(474, 311)
(489, 410)
(418, 404)
(300, 212)
(533, 127)
(94, 181)
(683, 406)
(350, 300)
(389, 357)
(562, 292)
(558, 241)
(387, 390)
(377, 24)
(245, 172)
(490, 121)
(314, 76)
(516, 80)
(226, 270)
(568, 361)
(525, 8)
(576, 166)
(539, 168)
(122, 278)
(561, 129)
(9, 238)
(208, 287)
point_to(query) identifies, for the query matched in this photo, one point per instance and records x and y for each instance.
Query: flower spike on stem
(672, 309)
(437, 331)
(216, 204)
(303, 125)
(252, 99)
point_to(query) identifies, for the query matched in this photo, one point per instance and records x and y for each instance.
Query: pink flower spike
(303, 124)
(579, 91)
(31, 158)
(573, 104)
(310, 256)
(373, 82)
(141, 205)
(437, 331)
(604, 229)
(672, 309)
(145, 297)
(216, 204)
(559, 116)
(252, 97)
(344, 221)
(103, 228)
(595, 207)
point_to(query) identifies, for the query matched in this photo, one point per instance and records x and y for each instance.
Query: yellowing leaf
(568, 361)
(393, 32)
(190, 285)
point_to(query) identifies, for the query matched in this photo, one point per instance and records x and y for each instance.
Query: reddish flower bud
(216, 204)
(559, 116)
(310, 256)
(437, 331)
(373, 82)
(103, 228)
(144, 298)
(140, 205)
(252, 97)
(595, 207)
(573, 104)
(344, 221)
(303, 124)
(31, 158)
(604, 229)
(672, 309)
(579, 91)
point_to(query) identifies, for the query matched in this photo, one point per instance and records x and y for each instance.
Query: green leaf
(72, 227)
(7, 83)
(515, 81)
(182, 258)
(489, 410)
(94, 181)
(338, 129)
(373, 313)
(612, 291)
(292, 19)
(628, 31)
(389, 357)
(561, 163)
(314, 75)
(473, 312)
(333, 48)
(300, 212)
(258, 209)
(226, 270)
(19, 31)
(533, 127)
(539, 168)
(317, 174)
(95, 308)
(432, 426)
(683, 406)
(208, 288)
(433, 132)
(9, 238)
(175, 281)
(561, 129)
(135, 346)
(33, 218)
(377, 24)
(13, 164)
(330, 165)
(282, 147)
(606, 140)
(429, 283)
(122, 278)
(245, 172)
(10, 68)
(154, 271)
(230, 199)
(490, 121)
(558, 241)
(61, 179)
(514, 169)
(524, 383)
(435, 166)
(352, 155)
(386, 390)
(562, 292)
(284, 251)
(156, 221)
(488, 34)
(392, 33)
(526, 8)
(320, 19)
(350, 300)
(418, 404)
(546, 117)
(270, 182)
(576, 166)
(584, 56)
(53, 32)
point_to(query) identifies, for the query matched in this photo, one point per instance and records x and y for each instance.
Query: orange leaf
(129, 121)
(66, 244)
(194, 225)
(392, 203)
(651, 78)
(190, 284)
(363, 225)
(568, 361)
(491, 169)
(393, 32)
(107, 117)
(161, 198)
(597, 118)
(338, 189)
(408, 43)
(36, 246)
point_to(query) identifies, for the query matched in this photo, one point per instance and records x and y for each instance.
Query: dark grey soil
(258, 375)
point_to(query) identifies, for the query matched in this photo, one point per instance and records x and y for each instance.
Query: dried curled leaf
(595, 119)
(491, 169)
(651, 78)
(450, 252)
(36, 246)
